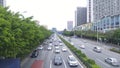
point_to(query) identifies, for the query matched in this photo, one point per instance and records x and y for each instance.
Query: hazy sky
(53, 13)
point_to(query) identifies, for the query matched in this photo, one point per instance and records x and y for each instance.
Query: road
(98, 57)
(46, 58)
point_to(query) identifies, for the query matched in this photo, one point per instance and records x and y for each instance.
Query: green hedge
(89, 63)
(114, 50)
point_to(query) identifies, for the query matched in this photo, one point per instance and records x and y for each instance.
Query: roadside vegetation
(89, 63)
(19, 35)
(110, 37)
(115, 50)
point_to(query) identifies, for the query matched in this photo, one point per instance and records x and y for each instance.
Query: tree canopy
(18, 36)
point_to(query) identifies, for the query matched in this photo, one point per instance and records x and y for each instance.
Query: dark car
(34, 53)
(57, 60)
(112, 61)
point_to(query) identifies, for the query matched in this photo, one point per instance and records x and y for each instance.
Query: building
(54, 30)
(106, 15)
(84, 27)
(69, 25)
(80, 16)
(89, 11)
(3, 3)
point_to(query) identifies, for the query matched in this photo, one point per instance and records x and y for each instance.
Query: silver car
(72, 61)
(97, 49)
(112, 61)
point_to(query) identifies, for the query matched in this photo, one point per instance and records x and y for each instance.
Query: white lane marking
(65, 64)
(104, 63)
(50, 63)
(63, 60)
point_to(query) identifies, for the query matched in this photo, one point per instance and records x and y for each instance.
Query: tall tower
(3, 3)
(69, 25)
(89, 11)
(81, 16)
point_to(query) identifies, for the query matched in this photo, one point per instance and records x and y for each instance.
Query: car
(64, 49)
(57, 60)
(57, 47)
(82, 46)
(50, 44)
(57, 51)
(60, 44)
(72, 61)
(49, 48)
(34, 54)
(112, 61)
(40, 48)
(97, 49)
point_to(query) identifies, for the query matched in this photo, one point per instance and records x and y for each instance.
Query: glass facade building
(106, 15)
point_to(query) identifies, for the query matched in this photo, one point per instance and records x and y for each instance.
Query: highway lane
(64, 56)
(98, 57)
(47, 57)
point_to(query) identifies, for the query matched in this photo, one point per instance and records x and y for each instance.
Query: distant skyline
(52, 13)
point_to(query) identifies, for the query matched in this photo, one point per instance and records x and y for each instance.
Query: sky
(51, 13)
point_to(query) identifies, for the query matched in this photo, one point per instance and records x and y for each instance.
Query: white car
(50, 44)
(60, 44)
(57, 47)
(57, 51)
(72, 61)
(64, 49)
(82, 46)
(40, 48)
(49, 48)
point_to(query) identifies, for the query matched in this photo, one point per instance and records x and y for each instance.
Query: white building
(80, 16)
(106, 15)
(70, 25)
(89, 11)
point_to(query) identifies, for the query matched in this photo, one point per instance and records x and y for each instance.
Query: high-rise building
(106, 14)
(69, 25)
(89, 11)
(80, 16)
(54, 30)
(2, 3)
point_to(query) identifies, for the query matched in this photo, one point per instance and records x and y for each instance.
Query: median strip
(89, 63)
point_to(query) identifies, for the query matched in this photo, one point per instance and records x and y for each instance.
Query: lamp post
(97, 34)
(96, 28)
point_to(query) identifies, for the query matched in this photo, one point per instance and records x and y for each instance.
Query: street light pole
(97, 33)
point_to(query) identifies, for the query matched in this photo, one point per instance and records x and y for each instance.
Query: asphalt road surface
(98, 57)
(45, 58)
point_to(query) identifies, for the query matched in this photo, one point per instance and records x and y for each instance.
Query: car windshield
(72, 59)
(57, 58)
